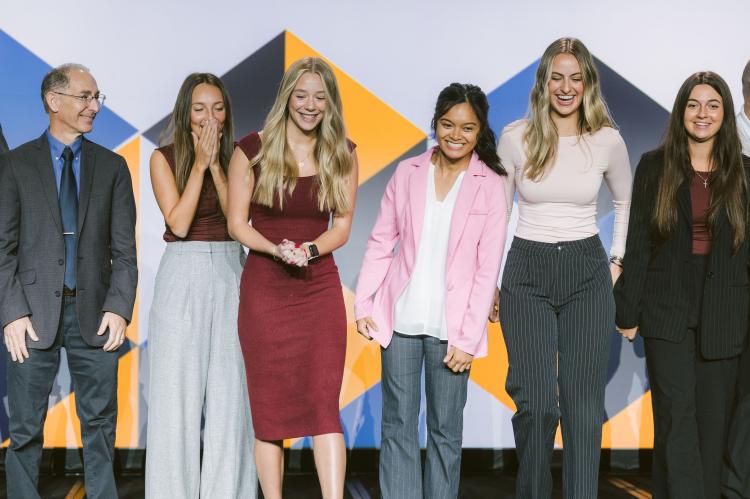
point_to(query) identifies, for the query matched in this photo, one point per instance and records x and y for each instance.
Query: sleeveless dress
(292, 321)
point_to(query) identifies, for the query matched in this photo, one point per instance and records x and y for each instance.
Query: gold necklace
(301, 163)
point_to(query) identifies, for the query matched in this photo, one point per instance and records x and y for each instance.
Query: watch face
(313, 251)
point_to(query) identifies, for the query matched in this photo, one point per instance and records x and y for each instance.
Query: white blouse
(420, 310)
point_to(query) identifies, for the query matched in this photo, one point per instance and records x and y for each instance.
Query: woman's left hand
(615, 271)
(291, 254)
(457, 360)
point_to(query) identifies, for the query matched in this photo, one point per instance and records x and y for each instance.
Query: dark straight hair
(728, 182)
(178, 129)
(458, 93)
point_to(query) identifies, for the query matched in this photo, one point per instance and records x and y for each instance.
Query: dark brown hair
(728, 183)
(178, 130)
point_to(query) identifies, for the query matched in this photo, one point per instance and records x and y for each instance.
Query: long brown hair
(178, 130)
(279, 170)
(541, 135)
(728, 183)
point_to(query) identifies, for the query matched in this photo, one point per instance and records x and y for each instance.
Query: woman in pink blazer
(425, 289)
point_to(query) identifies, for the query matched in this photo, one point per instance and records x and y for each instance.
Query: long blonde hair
(278, 169)
(541, 135)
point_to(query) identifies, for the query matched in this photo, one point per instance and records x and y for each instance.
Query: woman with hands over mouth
(296, 182)
(684, 285)
(426, 302)
(195, 362)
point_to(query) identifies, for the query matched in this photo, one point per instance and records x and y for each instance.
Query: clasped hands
(291, 253)
(207, 144)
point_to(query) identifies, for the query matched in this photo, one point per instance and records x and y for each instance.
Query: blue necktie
(69, 213)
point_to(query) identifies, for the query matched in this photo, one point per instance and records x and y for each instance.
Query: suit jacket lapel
(87, 176)
(464, 202)
(43, 164)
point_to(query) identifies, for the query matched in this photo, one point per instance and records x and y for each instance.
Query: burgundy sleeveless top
(209, 223)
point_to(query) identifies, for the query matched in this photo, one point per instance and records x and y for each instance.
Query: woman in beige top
(557, 309)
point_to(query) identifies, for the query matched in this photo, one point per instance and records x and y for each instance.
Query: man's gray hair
(57, 80)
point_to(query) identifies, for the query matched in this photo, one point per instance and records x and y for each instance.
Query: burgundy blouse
(209, 223)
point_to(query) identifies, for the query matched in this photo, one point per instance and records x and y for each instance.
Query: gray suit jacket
(3, 144)
(32, 250)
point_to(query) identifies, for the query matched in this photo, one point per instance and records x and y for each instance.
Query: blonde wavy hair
(541, 135)
(278, 169)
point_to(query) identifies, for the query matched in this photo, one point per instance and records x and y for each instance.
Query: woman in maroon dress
(290, 180)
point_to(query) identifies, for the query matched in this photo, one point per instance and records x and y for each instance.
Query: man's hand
(15, 338)
(457, 360)
(116, 326)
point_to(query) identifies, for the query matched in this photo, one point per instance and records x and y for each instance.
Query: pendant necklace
(301, 163)
(705, 180)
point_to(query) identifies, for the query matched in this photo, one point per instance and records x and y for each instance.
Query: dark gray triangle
(252, 88)
(640, 119)
(369, 194)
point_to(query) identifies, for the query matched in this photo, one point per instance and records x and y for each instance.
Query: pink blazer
(475, 245)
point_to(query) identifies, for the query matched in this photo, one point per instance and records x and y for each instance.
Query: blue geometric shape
(510, 101)
(21, 109)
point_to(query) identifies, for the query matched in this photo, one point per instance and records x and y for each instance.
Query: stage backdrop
(390, 63)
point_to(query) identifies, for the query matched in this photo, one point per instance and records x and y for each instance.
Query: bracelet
(617, 260)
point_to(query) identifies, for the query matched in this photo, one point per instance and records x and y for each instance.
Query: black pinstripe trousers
(557, 312)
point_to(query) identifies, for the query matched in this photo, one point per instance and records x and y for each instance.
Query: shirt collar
(57, 147)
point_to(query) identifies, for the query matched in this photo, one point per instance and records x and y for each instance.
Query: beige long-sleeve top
(561, 206)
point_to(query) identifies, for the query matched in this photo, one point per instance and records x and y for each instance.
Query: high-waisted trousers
(197, 372)
(557, 313)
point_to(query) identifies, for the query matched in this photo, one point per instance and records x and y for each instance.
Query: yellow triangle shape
(362, 365)
(631, 428)
(490, 372)
(382, 135)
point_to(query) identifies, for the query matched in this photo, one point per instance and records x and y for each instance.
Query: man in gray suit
(3, 144)
(68, 279)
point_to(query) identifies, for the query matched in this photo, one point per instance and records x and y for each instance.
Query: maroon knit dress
(292, 321)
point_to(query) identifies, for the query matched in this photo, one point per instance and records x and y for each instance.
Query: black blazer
(32, 250)
(652, 292)
(3, 144)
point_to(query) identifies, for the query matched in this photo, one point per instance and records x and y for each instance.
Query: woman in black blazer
(684, 285)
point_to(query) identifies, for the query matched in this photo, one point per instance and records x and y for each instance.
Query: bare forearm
(180, 218)
(247, 236)
(331, 240)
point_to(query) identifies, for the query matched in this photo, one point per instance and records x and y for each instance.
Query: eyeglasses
(86, 99)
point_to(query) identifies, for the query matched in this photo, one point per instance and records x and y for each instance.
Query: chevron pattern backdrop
(384, 137)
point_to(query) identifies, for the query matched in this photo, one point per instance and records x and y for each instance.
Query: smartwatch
(313, 250)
